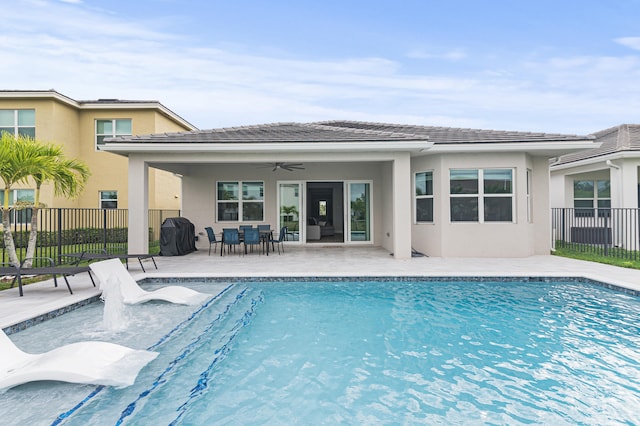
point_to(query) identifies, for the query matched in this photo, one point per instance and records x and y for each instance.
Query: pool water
(359, 353)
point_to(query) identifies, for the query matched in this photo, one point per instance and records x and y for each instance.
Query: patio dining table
(265, 235)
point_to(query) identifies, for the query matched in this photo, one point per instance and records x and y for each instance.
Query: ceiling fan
(284, 166)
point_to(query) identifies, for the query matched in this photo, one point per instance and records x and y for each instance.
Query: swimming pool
(382, 352)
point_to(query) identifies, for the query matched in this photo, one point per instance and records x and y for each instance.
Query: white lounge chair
(98, 363)
(132, 293)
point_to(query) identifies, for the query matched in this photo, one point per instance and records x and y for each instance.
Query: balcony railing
(605, 232)
(72, 230)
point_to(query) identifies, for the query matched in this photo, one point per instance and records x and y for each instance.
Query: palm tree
(68, 176)
(22, 157)
(17, 162)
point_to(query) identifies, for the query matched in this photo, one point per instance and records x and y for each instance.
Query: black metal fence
(72, 230)
(606, 232)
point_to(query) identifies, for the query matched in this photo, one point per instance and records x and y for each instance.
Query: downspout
(612, 165)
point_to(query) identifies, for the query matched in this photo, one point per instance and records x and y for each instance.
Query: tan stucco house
(80, 127)
(440, 191)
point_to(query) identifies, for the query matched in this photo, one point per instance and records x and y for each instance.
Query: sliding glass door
(359, 202)
(290, 209)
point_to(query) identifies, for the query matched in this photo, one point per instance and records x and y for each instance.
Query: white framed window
(16, 197)
(111, 128)
(481, 195)
(589, 195)
(423, 190)
(239, 201)
(108, 199)
(18, 122)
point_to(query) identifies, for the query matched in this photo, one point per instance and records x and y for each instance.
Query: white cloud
(631, 42)
(89, 55)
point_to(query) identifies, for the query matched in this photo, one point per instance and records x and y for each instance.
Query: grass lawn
(594, 257)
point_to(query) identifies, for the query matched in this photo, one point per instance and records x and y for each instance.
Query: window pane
(583, 204)
(108, 199)
(25, 195)
(10, 130)
(27, 131)
(604, 189)
(109, 195)
(604, 204)
(498, 181)
(498, 209)
(227, 191)
(123, 127)
(424, 183)
(464, 209)
(424, 210)
(228, 211)
(464, 181)
(104, 127)
(252, 191)
(26, 117)
(583, 189)
(7, 118)
(252, 211)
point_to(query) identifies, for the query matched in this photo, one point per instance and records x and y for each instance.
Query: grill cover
(177, 237)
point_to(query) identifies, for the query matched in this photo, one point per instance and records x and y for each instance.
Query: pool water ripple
(391, 352)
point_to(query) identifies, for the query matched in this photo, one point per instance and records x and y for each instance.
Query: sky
(559, 66)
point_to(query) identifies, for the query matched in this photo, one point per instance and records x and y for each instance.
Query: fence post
(104, 229)
(607, 241)
(59, 235)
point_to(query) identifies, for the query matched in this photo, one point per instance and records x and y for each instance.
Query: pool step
(190, 361)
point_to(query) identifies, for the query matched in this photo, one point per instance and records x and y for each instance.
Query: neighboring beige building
(80, 127)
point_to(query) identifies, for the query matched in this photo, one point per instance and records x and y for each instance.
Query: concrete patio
(42, 298)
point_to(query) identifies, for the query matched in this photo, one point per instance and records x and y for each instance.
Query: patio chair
(251, 238)
(42, 266)
(212, 239)
(97, 363)
(265, 227)
(243, 228)
(230, 238)
(280, 241)
(132, 294)
(93, 255)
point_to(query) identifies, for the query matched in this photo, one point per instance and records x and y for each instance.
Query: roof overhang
(101, 105)
(621, 155)
(549, 149)
(269, 147)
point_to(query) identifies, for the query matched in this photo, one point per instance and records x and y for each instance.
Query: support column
(138, 205)
(628, 187)
(402, 206)
(628, 183)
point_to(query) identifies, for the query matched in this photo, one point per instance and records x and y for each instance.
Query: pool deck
(333, 261)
